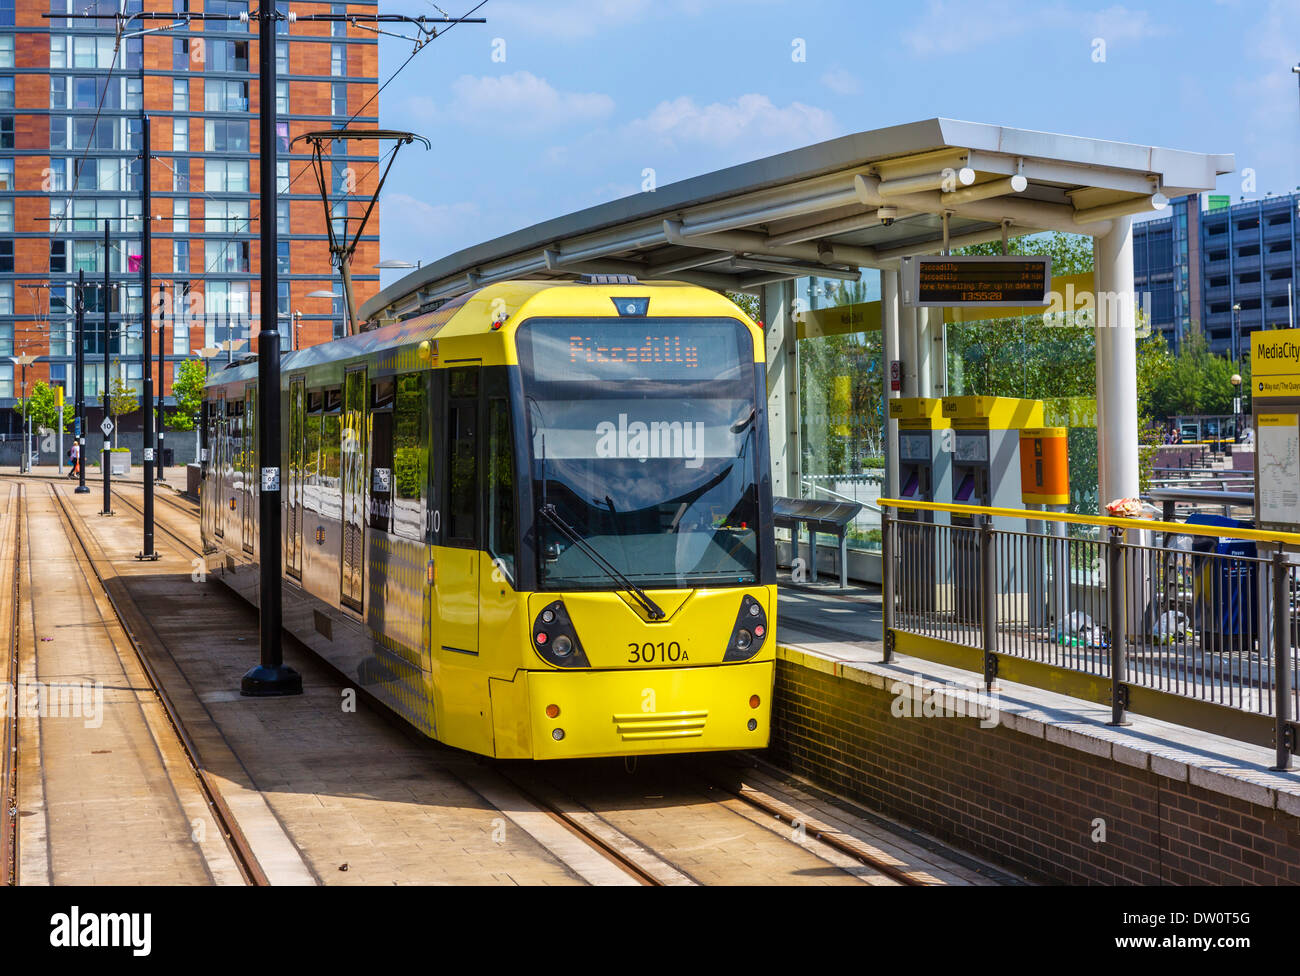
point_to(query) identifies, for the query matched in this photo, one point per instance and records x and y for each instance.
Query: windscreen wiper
(652, 609)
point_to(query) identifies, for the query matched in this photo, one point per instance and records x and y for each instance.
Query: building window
(7, 215)
(180, 95)
(6, 132)
(7, 377)
(282, 298)
(338, 28)
(58, 256)
(225, 176)
(180, 135)
(6, 50)
(225, 216)
(180, 256)
(282, 97)
(338, 60)
(226, 257)
(281, 253)
(281, 177)
(6, 174)
(225, 136)
(338, 98)
(7, 256)
(282, 136)
(180, 175)
(225, 96)
(180, 216)
(6, 298)
(228, 56)
(180, 53)
(282, 217)
(134, 99)
(282, 57)
(7, 13)
(58, 92)
(7, 91)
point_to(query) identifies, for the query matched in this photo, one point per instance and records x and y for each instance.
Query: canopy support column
(777, 311)
(1117, 406)
(889, 331)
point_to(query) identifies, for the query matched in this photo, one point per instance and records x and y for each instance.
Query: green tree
(749, 304)
(1197, 381)
(42, 406)
(122, 400)
(188, 391)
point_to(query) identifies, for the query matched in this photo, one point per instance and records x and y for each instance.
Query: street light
(25, 360)
(228, 346)
(1236, 327)
(1236, 408)
(324, 293)
(207, 354)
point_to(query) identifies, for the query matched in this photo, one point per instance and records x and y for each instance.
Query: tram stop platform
(1032, 780)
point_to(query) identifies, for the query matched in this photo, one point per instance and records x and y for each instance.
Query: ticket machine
(924, 474)
(985, 471)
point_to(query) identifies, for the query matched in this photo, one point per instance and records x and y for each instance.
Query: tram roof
(816, 210)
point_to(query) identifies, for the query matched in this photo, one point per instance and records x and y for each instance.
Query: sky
(551, 107)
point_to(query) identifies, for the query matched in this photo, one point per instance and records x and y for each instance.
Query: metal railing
(1167, 613)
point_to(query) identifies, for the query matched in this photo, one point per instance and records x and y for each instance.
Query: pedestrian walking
(74, 454)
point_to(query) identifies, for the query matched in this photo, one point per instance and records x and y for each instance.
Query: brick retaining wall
(1024, 801)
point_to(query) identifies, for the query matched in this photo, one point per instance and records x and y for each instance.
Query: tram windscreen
(643, 437)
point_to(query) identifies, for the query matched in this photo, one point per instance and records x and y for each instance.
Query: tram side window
(380, 498)
(500, 487)
(462, 457)
(331, 455)
(410, 457)
(311, 452)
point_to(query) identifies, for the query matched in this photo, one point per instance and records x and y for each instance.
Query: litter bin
(168, 455)
(1225, 588)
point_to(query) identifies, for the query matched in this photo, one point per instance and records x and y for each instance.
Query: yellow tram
(534, 522)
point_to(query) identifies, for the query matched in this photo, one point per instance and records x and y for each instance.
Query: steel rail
(9, 741)
(225, 819)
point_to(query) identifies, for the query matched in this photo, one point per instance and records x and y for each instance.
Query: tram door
(354, 488)
(457, 561)
(248, 465)
(216, 458)
(293, 510)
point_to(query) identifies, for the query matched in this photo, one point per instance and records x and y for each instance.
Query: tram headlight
(555, 640)
(749, 632)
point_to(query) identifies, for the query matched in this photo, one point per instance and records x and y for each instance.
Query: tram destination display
(964, 281)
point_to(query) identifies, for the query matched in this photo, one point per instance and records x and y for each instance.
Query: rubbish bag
(1079, 630)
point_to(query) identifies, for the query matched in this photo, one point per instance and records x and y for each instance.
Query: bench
(819, 516)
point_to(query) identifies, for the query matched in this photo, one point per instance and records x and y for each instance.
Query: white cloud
(571, 20)
(1121, 24)
(520, 100)
(750, 123)
(842, 82)
(408, 219)
(955, 26)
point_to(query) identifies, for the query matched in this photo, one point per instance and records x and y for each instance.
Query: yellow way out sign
(1275, 363)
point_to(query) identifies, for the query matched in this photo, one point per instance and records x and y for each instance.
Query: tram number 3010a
(649, 653)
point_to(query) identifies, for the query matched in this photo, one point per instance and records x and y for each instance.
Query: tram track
(758, 802)
(227, 823)
(9, 739)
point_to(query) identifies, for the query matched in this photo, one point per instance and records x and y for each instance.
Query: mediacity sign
(1275, 363)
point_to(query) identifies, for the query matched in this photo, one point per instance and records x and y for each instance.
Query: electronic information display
(962, 281)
